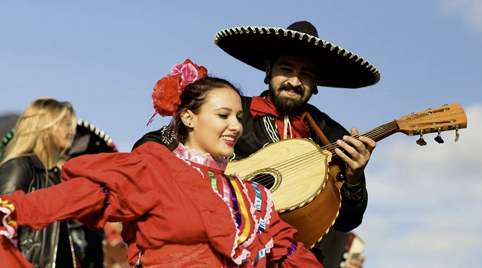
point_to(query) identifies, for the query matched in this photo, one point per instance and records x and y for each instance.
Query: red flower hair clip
(167, 91)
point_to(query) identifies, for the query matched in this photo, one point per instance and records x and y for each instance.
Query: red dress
(177, 210)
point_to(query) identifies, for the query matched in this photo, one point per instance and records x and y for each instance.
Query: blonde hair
(36, 129)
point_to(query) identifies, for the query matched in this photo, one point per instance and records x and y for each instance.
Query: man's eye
(307, 74)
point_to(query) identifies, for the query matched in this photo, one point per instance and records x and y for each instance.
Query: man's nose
(295, 81)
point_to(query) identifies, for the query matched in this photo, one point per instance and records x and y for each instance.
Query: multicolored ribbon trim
(242, 210)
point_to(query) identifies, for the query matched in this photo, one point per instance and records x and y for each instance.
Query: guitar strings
(311, 157)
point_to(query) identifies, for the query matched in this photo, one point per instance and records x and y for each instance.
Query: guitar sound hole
(267, 180)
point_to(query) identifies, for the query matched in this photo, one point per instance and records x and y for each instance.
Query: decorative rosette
(167, 91)
(9, 226)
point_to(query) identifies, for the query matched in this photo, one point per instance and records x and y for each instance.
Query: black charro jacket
(258, 132)
(40, 248)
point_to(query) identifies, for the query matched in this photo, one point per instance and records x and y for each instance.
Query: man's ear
(267, 70)
(187, 118)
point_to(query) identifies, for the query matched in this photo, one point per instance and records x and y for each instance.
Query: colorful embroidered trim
(106, 193)
(262, 225)
(257, 200)
(261, 254)
(242, 207)
(292, 249)
(213, 181)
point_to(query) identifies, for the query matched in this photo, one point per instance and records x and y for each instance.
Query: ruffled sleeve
(96, 189)
(9, 254)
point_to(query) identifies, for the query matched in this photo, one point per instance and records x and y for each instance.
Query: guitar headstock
(445, 118)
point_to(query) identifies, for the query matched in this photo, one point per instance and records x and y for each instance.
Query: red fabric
(10, 256)
(161, 201)
(262, 107)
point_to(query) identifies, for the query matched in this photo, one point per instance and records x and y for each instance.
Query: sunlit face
(217, 126)
(65, 132)
(292, 82)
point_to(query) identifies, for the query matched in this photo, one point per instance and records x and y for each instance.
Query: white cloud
(424, 202)
(470, 10)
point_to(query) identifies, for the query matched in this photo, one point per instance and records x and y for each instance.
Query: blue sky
(424, 205)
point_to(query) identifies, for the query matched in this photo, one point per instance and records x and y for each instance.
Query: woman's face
(217, 126)
(65, 132)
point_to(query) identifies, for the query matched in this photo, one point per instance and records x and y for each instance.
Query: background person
(44, 131)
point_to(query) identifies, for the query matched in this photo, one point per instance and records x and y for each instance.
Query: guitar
(302, 175)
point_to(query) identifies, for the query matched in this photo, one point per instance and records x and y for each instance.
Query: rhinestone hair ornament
(167, 91)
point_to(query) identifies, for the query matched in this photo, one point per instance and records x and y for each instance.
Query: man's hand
(356, 154)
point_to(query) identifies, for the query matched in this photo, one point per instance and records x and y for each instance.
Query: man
(295, 61)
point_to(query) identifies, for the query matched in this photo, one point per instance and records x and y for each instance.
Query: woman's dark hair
(192, 98)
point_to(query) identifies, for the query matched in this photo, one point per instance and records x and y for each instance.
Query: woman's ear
(187, 118)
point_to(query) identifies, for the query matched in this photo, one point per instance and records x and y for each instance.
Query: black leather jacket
(39, 247)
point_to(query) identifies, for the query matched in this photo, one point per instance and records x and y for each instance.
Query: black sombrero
(89, 139)
(339, 67)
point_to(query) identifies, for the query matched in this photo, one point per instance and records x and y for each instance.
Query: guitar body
(296, 172)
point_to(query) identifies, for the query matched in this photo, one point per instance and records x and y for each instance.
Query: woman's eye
(223, 115)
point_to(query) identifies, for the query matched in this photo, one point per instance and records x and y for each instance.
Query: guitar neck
(447, 117)
(375, 134)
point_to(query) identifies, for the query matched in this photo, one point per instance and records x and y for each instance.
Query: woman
(43, 133)
(178, 208)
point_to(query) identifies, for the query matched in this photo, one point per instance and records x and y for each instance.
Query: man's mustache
(297, 89)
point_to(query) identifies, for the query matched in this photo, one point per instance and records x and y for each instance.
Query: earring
(266, 79)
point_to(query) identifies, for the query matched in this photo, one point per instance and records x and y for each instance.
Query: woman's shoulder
(21, 162)
(16, 174)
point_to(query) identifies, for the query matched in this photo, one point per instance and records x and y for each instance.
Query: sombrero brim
(254, 45)
(89, 139)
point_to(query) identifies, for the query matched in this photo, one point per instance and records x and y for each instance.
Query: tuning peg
(439, 137)
(457, 135)
(421, 141)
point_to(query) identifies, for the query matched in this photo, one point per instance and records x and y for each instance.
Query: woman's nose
(236, 126)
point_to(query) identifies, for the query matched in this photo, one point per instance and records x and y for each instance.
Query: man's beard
(287, 105)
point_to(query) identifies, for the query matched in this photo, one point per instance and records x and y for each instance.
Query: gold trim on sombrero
(309, 39)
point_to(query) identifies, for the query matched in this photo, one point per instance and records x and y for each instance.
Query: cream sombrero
(339, 67)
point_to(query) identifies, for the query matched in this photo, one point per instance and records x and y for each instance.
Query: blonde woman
(43, 133)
